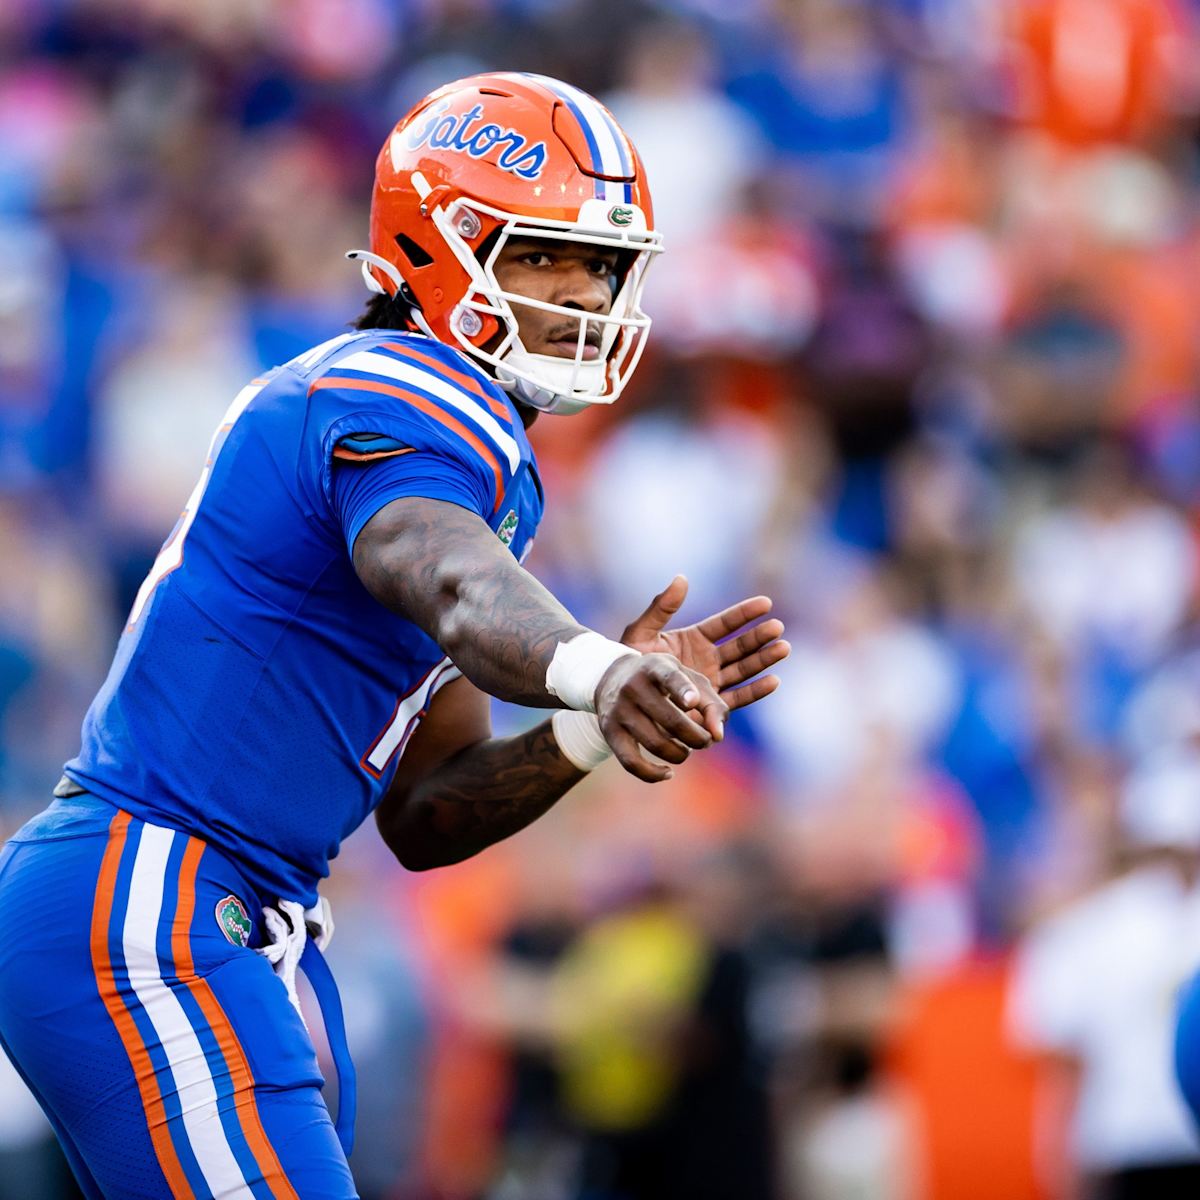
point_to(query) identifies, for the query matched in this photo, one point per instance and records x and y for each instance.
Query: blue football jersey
(260, 697)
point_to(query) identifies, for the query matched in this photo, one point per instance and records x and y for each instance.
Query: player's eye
(536, 258)
(602, 266)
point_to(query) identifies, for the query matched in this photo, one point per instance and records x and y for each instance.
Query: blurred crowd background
(925, 368)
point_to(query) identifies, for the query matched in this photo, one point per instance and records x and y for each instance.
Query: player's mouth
(564, 343)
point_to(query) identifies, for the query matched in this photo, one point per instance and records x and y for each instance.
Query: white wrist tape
(579, 738)
(577, 667)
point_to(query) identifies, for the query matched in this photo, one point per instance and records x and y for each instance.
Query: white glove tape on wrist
(578, 666)
(579, 738)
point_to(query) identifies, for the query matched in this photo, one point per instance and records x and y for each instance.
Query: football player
(318, 640)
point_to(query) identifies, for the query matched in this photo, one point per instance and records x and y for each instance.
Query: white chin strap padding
(564, 386)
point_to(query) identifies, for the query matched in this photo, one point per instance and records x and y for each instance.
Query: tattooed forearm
(442, 568)
(482, 795)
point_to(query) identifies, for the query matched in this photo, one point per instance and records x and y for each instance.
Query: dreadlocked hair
(386, 312)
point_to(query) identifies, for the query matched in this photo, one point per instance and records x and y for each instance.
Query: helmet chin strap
(559, 374)
(370, 260)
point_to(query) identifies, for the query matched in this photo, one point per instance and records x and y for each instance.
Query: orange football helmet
(500, 155)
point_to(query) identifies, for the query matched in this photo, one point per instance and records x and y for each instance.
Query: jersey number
(407, 715)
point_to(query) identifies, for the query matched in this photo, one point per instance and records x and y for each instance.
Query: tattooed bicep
(414, 547)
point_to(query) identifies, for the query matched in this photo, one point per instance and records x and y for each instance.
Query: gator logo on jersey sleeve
(234, 920)
(508, 527)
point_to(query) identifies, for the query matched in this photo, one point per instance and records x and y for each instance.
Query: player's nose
(580, 287)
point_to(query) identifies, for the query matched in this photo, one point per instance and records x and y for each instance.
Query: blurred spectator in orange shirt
(1090, 71)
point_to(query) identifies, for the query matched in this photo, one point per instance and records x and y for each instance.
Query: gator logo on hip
(234, 920)
(508, 527)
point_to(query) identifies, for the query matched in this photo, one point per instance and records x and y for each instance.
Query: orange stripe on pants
(231, 1049)
(139, 1056)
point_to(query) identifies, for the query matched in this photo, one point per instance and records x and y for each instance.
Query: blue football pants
(163, 1049)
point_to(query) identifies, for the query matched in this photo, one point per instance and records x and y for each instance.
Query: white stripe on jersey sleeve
(421, 377)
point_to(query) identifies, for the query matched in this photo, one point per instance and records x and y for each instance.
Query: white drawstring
(289, 926)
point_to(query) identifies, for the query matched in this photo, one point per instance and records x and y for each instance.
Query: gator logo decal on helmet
(234, 920)
(620, 216)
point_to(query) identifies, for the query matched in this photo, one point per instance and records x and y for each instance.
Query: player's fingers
(694, 692)
(669, 676)
(660, 610)
(731, 619)
(627, 752)
(749, 693)
(674, 720)
(670, 600)
(750, 641)
(712, 716)
(660, 687)
(753, 664)
(652, 737)
(711, 707)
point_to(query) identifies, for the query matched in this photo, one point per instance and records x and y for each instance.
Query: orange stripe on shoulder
(348, 455)
(460, 377)
(139, 1056)
(231, 1049)
(431, 410)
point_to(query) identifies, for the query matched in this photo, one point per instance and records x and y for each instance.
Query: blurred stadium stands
(926, 368)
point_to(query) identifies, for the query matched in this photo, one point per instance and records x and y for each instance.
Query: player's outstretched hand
(729, 648)
(644, 702)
